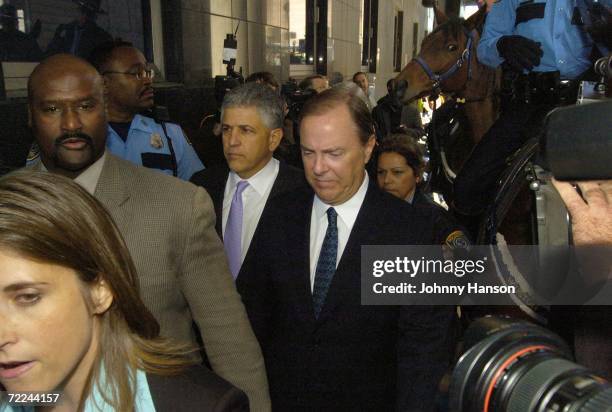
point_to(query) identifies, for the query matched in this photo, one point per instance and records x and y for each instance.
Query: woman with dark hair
(71, 318)
(399, 171)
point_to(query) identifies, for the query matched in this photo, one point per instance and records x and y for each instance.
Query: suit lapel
(282, 183)
(111, 189)
(299, 251)
(217, 193)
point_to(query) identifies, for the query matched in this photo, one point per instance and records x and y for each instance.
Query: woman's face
(48, 331)
(395, 176)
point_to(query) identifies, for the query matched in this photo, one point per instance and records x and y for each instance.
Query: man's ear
(369, 147)
(276, 135)
(101, 296)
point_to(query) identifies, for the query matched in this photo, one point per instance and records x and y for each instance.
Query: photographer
(391, 116)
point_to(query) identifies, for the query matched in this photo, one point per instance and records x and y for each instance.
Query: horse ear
(439, 15)
(476, 20)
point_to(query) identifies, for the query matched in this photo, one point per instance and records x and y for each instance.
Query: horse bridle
(439, 78)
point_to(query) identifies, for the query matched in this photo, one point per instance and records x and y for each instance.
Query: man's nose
(320, 166)
(71, 120)
(233, 136)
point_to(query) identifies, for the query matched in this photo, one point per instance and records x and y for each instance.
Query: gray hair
(262, 97)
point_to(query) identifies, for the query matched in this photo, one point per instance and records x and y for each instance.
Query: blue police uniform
(555, 24)
(558, 26)
(148, 145)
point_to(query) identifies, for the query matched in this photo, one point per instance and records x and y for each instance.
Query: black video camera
(295, 98)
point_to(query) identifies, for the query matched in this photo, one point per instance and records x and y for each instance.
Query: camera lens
(516, 366)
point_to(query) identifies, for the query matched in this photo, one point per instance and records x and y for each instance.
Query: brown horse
(448, 63)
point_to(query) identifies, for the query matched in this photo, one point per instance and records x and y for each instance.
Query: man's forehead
(127, 55)
(69, 86)
(241, 115)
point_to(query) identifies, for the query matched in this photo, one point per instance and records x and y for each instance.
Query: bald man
(168, 224)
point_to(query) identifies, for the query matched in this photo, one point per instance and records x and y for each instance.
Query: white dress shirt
(254, 199)
(88, 179)
(347, 214)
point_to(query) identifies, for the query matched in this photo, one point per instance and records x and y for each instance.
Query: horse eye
(452, 47)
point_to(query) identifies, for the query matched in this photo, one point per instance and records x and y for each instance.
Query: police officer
(544, 49)
(132, 136)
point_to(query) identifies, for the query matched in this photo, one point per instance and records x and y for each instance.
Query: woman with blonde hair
(71, 318)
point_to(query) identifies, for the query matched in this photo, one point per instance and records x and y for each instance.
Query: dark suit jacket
(198, 389)
(92, 36)
(214, 179)
(352, 357)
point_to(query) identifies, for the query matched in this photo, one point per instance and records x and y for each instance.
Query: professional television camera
(295, 98)
(516, 366)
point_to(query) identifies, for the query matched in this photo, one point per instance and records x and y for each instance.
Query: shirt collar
(410, 197)
(88, 179)
(348, 210)
(143, 123)
(260, 181)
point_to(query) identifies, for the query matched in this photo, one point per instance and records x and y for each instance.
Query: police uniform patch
(457, 240)
(156, 141)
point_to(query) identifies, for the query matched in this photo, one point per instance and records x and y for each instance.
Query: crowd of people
(134, 278)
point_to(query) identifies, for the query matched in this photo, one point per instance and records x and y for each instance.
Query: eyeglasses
(141, 74)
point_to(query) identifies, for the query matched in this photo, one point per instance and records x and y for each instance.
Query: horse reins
(439, 78)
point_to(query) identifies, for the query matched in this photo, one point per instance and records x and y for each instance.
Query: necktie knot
(241, 186)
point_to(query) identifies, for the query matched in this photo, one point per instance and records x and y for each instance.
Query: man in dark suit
(252, 127)
(81, 36)
(301, 283)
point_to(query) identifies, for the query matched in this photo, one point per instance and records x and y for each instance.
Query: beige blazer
(169, 228)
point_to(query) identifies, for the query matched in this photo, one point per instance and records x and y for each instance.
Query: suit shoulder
(210, 176)
(143, 179)
(196, 389)
(296, 197)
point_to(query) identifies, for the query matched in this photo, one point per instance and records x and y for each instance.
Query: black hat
(90, 5)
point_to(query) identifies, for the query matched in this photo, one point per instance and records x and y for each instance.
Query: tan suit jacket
(169, 228)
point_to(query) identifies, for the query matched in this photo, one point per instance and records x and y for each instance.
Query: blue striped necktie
(326, 265)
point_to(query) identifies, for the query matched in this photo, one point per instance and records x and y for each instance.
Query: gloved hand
(519, 52)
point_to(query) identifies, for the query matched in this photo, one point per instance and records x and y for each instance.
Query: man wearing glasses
(132, 136)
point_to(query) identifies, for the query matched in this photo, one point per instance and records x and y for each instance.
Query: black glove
(519, 52)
